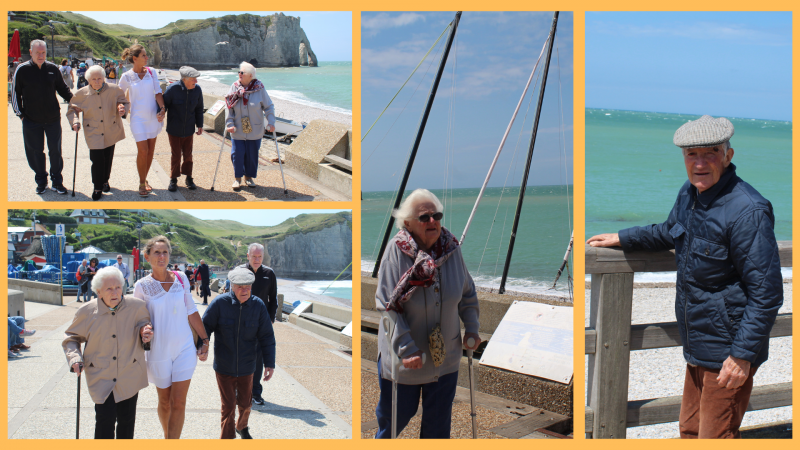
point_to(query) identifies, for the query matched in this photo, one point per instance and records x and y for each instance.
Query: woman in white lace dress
(172, 357)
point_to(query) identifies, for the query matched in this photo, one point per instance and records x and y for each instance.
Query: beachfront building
(90, 216)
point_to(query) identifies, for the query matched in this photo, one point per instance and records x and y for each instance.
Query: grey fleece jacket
(455, 290)
(258, 107)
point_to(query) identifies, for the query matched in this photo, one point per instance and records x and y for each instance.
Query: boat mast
(413, 154)
(530, 156)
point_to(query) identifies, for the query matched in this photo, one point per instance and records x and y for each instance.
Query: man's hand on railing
(604, 240)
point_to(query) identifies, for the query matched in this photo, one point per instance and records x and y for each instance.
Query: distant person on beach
(729, 287)
(140, 84)
(124, 269)
(423, 276)
(111, 72)
(265, 287)
(204, 275)
(102, 104)
(184, 103)
(83, 283)
(81, 72)
(66, 74)
(247, 105)
(33, 97)
(242, 328)
(189, 272)
(112, 331)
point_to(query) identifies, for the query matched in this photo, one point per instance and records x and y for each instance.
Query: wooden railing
(610, 338)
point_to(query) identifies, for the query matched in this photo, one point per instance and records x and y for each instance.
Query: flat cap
(703, 132)
(241, 276)
(188, 72)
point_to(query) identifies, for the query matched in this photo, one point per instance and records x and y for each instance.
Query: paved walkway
(309, 396)
(124, 179)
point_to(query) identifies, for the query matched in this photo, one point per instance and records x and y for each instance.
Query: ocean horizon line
(685, 114)
(488, 187)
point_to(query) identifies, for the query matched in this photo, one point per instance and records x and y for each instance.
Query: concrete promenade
(124, 179)
(309, 396)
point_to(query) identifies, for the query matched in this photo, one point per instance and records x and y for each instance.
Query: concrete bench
(340, 162)
(333, 323)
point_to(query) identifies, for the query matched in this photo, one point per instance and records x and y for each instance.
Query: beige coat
(113, 358)
(102, 124)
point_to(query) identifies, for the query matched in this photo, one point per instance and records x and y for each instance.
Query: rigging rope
(404, 84)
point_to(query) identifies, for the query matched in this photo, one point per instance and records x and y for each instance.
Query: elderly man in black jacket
(33, 97)
(184, 103)
(266, 288)
(243, 327)
(729, 285)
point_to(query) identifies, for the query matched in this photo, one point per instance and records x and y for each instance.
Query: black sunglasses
(427, 217)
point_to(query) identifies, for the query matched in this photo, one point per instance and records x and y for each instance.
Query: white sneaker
(26, 333)
(11, 354)
(237, 186)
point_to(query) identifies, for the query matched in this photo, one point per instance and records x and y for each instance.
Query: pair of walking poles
(274, 138)
(389, 319)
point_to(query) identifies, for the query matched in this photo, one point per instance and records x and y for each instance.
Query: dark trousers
(437, 406)
(101, 166)
(257, 388)
(34, 134)
(709, 411)
(122, 414)
(205, 291)
(234, 391)
(181, 146)
(244, 155)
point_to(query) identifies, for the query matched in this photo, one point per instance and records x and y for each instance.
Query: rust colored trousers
(181, 146)
(228, 388)
(709, 411)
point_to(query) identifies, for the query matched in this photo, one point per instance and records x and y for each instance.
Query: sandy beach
(283, 108)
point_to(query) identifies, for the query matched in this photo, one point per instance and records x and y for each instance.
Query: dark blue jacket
(184, 109)
(729, 285)
(239, 327)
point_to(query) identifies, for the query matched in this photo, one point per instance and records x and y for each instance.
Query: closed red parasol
(14, 48)
(135, 254)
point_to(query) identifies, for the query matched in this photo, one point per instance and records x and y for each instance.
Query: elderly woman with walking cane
(114, 330)
(423, 289)
(102, 105)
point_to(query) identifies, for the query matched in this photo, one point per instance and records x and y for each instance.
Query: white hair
(255, 246)
(94, 69)
(246, 67)
(38, 42)
(104, 273)
(408, 208)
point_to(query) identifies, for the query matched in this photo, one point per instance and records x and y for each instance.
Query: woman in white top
(172, 357)
(147, 109)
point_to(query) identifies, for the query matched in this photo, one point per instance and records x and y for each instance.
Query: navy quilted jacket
(729, 285)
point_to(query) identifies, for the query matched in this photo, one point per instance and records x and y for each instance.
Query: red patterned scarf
(423, 272)
(240, 91)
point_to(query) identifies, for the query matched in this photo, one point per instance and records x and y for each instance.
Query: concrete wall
(16, 303)
(334, 312)
(340, 313)
(36, 291)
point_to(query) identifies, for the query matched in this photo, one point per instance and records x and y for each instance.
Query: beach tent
(29, 266)
(13, 272)
(108, 262)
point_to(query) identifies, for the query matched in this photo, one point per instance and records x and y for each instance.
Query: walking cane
(275, 138)
(471, 342)
(75, 162)
(78, 411)
(389, 321)
(218, 158)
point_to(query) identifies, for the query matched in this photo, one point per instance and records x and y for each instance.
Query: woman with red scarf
(247, 105)
(424, 283)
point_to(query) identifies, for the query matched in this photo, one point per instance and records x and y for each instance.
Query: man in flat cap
(184, 103)
(242, 326)
(729, 286)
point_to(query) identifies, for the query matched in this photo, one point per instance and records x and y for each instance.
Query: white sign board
(60, 229)
(301, 308)
(348, 330)
(533, 339)
(215, 109)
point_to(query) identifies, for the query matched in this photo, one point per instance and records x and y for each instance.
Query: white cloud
(385, 20)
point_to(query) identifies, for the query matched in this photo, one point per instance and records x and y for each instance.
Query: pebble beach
(283, 108)
(660, 372)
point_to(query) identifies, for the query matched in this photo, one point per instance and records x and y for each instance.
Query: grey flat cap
(241, 276)
(703, 132)
(188, 72)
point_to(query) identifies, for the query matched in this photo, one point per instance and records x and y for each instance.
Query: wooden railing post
(610, 316)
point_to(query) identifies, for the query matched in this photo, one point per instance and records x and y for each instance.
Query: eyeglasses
(241, 73)
(427, 217)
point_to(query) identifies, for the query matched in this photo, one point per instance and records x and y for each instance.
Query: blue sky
(329, 32)
(255, 217)
(494, 53)
(736, 64)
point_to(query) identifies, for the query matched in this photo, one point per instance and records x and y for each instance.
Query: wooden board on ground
(527, 425)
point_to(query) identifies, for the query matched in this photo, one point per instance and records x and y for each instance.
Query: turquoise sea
(328, 86)
(541, 241)
(634, 172)
(338, 289)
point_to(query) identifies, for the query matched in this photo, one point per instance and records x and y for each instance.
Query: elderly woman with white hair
(423, 283)
(248, 104)
(102, 105)
(115, 330)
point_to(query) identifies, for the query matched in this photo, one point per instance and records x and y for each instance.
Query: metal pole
(530, 156)
(471, 342)
(414, 149)
(61, 265)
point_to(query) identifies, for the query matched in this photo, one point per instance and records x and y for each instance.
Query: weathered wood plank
(614, 260)
(610, 315)
(665, 334)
